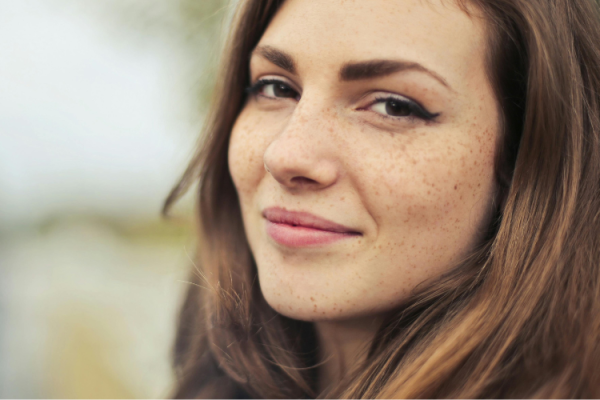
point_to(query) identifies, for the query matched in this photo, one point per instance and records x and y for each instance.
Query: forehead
(327, 33)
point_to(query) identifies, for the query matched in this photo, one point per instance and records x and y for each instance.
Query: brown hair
(520, 317)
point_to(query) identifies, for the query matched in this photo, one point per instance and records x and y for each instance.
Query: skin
(418, 192)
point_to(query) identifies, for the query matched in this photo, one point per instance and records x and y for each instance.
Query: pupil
(281, 90)
(397, 108)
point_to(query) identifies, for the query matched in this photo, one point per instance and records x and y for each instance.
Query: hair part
(519, 317)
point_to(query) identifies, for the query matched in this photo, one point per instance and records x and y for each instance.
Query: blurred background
(101, 102)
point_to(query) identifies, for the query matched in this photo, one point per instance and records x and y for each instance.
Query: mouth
(302, 229)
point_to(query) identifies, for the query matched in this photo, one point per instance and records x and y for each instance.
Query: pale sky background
(98, 118)
(89, 122)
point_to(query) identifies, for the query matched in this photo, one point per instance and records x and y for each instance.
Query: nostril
(302, 180)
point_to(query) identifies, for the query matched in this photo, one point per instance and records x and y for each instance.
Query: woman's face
(364, 156)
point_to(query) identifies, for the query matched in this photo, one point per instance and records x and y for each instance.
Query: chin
(305, 313)
(311, 307)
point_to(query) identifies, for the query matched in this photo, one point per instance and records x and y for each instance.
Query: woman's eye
(273, 89)
(398, 108)
(278, 90)
(393, 108)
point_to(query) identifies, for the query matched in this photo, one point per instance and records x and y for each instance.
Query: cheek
(246, 149)
(431, 200)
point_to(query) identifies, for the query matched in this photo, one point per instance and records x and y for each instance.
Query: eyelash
(416, 110)
(255, 88)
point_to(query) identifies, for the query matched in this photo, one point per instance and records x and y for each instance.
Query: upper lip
(279, 215)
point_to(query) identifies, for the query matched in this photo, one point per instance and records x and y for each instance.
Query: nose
(302, 155)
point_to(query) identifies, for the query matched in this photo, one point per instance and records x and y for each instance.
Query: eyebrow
(351, 71)
(280, 58)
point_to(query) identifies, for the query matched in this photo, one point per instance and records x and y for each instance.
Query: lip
(302, 229)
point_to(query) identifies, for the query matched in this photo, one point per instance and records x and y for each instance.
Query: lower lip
(300, 236)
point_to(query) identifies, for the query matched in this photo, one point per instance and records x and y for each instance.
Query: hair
(519, 317)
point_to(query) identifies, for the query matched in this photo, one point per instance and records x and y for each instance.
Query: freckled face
(371, 127)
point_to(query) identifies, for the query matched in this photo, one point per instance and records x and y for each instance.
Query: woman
(399, 199)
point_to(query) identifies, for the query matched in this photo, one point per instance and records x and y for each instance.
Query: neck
(342, 346)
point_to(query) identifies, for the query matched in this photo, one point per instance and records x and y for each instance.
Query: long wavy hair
(519, 317)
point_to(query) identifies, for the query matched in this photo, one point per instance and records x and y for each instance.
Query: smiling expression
(364, 155)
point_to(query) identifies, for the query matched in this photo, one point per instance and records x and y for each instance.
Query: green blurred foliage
(204, 25)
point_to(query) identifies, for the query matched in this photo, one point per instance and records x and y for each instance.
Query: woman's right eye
(273, 89)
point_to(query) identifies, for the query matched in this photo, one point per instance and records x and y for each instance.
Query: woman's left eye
(399, 107)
